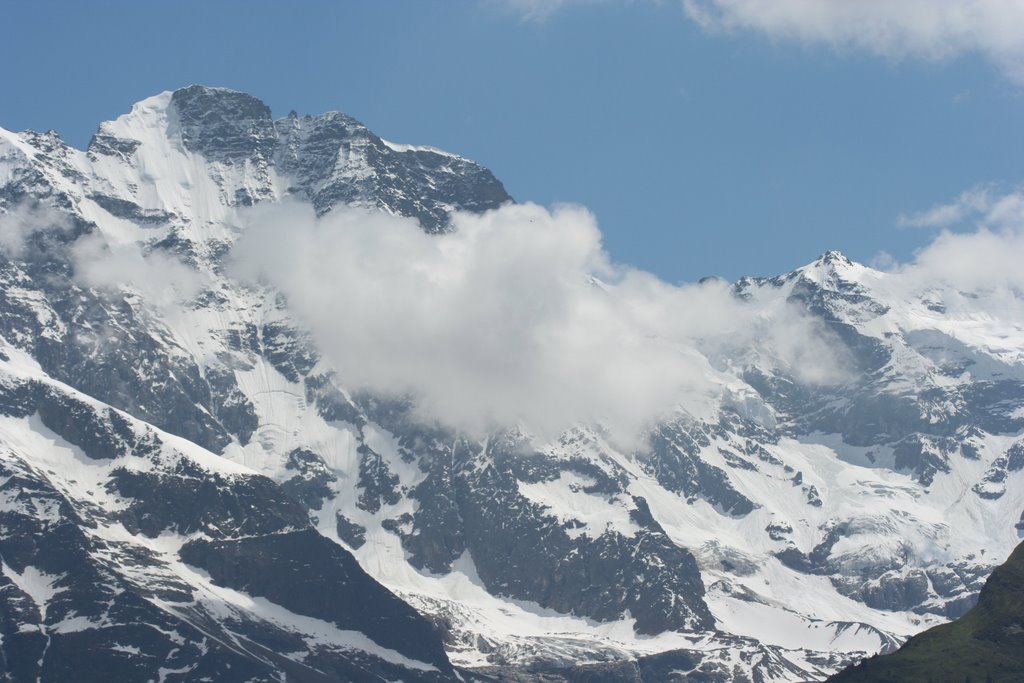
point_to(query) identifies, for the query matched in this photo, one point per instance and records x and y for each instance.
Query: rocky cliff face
(191, 490)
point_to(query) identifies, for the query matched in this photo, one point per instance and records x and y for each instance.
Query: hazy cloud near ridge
(161, 278)
(19, 222)
(517, 316)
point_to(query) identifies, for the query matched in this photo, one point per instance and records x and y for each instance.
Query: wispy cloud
(925, 29)
(983, 206)
(540, 10)
(162, 279)
(930, 29)
(20, 222)
(985, 252)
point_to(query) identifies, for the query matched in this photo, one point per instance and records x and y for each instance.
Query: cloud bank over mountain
(519, 316)
(516, 316)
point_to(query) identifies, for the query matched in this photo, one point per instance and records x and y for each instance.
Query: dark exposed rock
(101, 433)
(224, 125)
(437, 539)
(119, 610)
(45, 533)
(1015, 457)
(895, 590)
(331, 404)
(190, 499)
(122, 208)
(312, 481)
(423, 184)
(232, 408)
(675, 462)
(923, 456)
(350, 532)
(113, 146)
(778, 532)
(377, 481)
(522, 552)
(289, 350)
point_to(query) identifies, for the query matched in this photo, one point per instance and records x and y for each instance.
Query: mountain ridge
(800, 527)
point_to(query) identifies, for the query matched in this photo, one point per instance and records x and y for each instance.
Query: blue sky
(703, 150)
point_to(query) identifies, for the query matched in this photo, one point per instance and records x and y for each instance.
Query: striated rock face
(189, 489)
(223, 125)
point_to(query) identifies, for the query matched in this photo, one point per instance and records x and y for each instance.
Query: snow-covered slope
(132, 554)
(791, 529)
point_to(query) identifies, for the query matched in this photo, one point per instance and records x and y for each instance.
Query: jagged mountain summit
(191, 489)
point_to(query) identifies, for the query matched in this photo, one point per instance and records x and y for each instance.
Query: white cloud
(982, 260)
(517, 316)
(930, 29)
(988, 256)
(946, 215)
(161, 279)
(982, 205)
(927, 29)
(883, 261)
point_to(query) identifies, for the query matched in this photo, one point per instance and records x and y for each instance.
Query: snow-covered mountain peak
(834, 257)
(227, 142)
(833, 269)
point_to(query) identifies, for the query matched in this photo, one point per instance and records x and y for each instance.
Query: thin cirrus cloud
(542, 10)
(926, 29)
